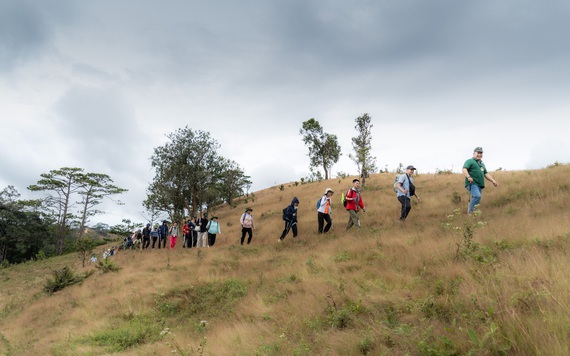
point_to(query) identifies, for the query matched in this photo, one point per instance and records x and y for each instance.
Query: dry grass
(387, 288)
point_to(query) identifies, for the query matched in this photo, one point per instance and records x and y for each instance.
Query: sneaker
(279, 240)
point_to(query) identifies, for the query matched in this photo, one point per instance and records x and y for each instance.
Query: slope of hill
(442, 283)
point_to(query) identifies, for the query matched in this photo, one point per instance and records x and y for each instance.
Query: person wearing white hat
(324, 211)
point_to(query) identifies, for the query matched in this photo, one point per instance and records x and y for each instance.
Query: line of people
(474, 171)
(201, 232)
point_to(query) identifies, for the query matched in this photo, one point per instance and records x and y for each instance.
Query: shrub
(107, 265)
(62, 278)
(137, 331)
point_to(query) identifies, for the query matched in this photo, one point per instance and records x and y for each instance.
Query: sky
(99, 84)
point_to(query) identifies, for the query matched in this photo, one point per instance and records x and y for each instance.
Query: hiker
(128, 242)
(146, 237)
(186, 239)
(162, 234)
(203, 233)
(247, 227)
(173, 234)
(213, 229)
(475, 174)
(324, 211)
(290, 217)
(353, 204)
(137, 238)
(406, 189)
(154, 234)
(193, 233)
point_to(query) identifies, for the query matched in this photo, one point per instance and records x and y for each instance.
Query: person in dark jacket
(193, 236)
(163, 234)
(290, 217)
(203, 234)
(146, 237)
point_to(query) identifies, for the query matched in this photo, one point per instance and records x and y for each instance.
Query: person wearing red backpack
(354, 203)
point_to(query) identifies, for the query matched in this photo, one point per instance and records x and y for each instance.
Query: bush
(62, 278)
(106, 265)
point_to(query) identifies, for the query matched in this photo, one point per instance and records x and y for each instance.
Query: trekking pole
(469, 199)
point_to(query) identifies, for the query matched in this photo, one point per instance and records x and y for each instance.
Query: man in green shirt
(475, 174)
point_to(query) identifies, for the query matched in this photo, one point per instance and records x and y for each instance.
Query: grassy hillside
(442, 283)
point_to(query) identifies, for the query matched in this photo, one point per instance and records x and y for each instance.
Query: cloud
(548, 152)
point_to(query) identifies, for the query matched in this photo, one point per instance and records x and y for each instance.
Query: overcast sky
(99, 84)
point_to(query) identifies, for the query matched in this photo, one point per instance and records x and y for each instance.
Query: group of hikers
(473, 170)
(196, 232)
(201, 232)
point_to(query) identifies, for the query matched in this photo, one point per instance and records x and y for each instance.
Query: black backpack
(284, 216)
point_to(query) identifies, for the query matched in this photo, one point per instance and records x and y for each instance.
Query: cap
(478, 149)
(411, 167)
(328, 190)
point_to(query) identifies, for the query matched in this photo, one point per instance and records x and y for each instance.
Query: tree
(84, 247)
(324, 150)
(125, 229)
(64, 183)
(22, 233)
(232, 181)
(362, 147)
(94, 187)
(188, 174)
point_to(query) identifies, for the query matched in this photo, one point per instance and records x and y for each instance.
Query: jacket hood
(295, 200)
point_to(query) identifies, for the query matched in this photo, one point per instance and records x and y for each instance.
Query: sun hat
(328, 190)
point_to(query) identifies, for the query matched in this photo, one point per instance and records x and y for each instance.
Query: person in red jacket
(354, 203)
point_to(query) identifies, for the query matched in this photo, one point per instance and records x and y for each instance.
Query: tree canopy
(64, 185)
(324, 150)
(190, 175)
(362, 146)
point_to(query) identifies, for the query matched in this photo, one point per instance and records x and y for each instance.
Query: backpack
(396, 183)
(284, 216)
(412, 186)
(343, 200)
(319, 203)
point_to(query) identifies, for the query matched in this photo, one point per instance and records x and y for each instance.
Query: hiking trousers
(353, 219)
(162, 241)
(211, 239)
(203, 239)
(289, 225)
(406, 206)
(249, 232)
(475, 192)
(321, 218)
